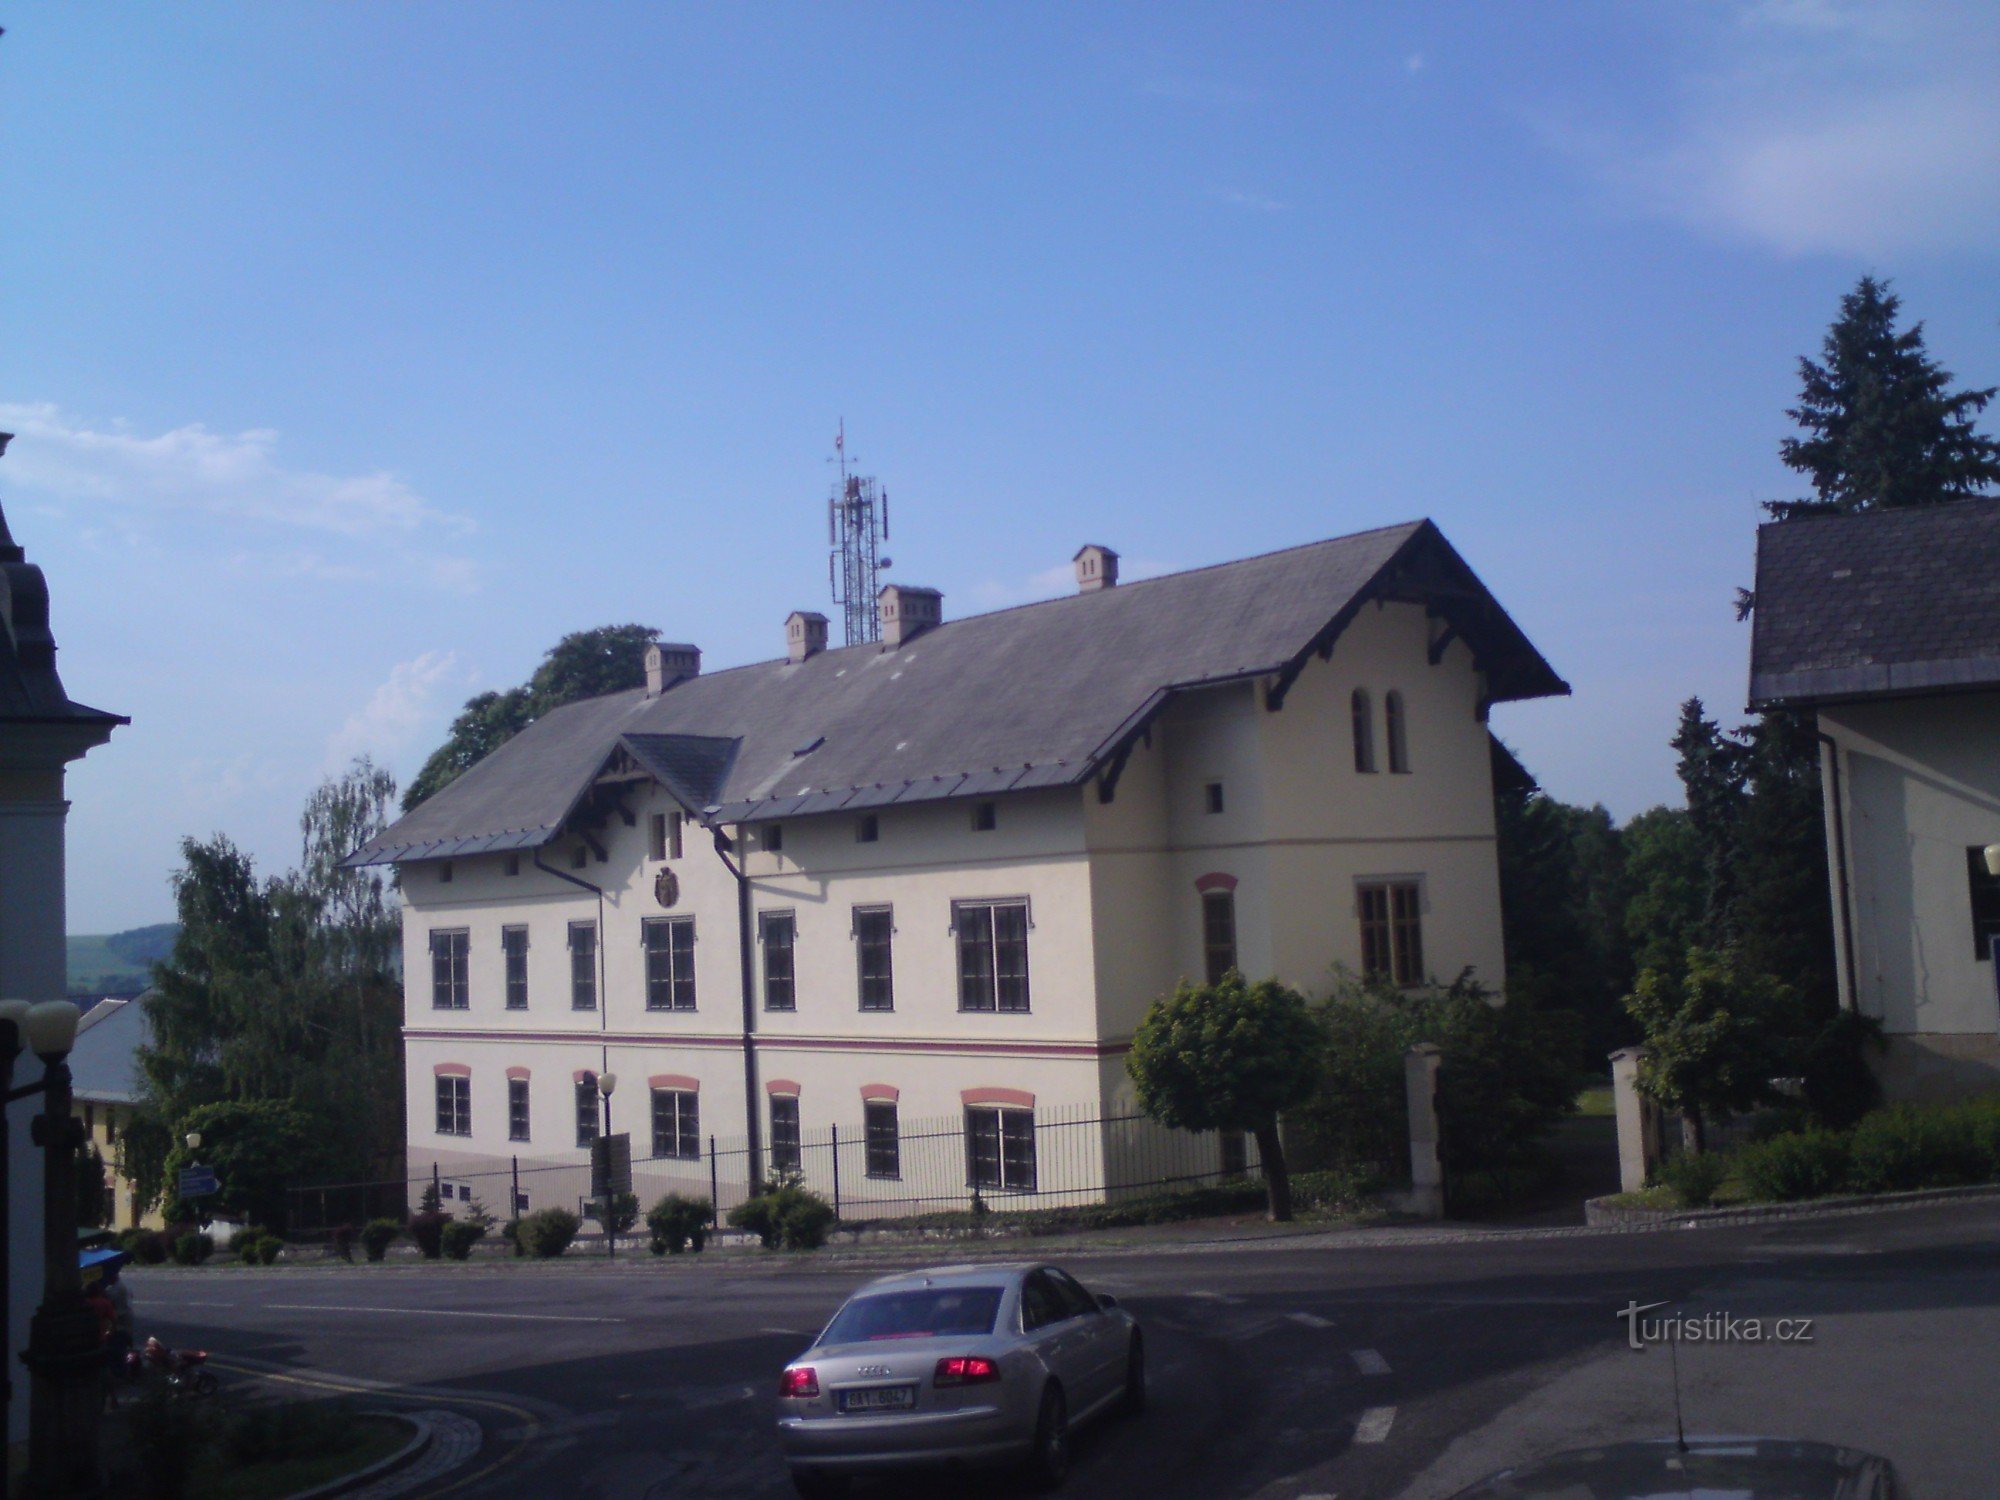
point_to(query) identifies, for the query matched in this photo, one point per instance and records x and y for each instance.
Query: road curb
(402, 1458)
(1599, 1213)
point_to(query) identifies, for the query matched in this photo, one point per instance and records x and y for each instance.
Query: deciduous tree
(1230, 1056)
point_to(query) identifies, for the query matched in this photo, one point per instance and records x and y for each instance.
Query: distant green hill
(118, 963)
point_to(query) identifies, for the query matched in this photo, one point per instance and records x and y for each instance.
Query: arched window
(1399, 734)
(1364, 731)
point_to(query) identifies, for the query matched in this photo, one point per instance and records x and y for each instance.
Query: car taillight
(802, 1382)
(965, 1369)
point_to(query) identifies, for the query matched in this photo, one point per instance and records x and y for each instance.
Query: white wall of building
(1920, 786)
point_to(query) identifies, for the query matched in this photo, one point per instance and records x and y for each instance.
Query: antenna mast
(857, 523)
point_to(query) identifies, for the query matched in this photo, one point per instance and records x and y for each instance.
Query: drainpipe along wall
(752, 1131)
(1837, 815)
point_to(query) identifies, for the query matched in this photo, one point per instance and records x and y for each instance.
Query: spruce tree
(1882, 426)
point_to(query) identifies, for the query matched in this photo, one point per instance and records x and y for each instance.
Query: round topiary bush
(265, 1250)
(678, 1223)
(459, 1236)
(242, 1239)
(546, 1233)
(192, 1249)
(377, 1235)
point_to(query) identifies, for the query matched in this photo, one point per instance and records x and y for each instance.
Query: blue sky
(358, 352)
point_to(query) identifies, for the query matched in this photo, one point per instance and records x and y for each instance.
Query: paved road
(1357, 1369)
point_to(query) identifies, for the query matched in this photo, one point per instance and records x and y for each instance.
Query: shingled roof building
(941, 877)
(1887, 624)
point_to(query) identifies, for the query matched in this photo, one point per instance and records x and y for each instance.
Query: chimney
(805, 634)
(906, 610)
(1096, 568)
(669, 662)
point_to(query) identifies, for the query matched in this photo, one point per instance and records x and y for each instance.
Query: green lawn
(373, 1439)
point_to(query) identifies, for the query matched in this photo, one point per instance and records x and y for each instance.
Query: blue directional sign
(198, 1182)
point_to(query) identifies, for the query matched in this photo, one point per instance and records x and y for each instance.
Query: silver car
(960, 1365)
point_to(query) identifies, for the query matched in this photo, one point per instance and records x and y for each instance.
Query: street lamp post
(13, 1028)
(65, 1366)
(607, 1085)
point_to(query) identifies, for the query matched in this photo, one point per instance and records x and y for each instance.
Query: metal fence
(1081, 1154)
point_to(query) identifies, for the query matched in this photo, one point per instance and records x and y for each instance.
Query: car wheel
(1135, 1379)
(1048, 1464)
(819, 1486)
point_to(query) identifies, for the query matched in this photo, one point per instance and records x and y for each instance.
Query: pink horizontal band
(1020, 1097)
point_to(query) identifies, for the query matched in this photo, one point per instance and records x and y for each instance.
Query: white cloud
(126, 483)
(395, 711)
(1258, 202)
(1819, 127)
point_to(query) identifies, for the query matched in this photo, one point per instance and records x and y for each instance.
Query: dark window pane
(873, 931)
(784, 1134)
(1041, 1303)
(1985, 892)
(1218, 933)
(450, 963)
(885, 1156)
(934, 1312)
(517, 1109)
(982, 1147)
(1377, 960)
(779, 932)
(1407, 910)
(514, 944)
(1017, 1149)
(586, 1109)
(1364, 731)
(583, 966)
(1010, 955)
(975, 958)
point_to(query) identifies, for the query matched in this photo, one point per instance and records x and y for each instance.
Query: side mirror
(1106, 1301)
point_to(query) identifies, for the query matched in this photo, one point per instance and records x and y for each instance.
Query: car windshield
(924, 1313)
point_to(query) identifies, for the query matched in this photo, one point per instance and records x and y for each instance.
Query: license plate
(880, 1398)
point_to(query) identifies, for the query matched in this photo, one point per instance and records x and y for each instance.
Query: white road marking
(1320, 1495)
(1368, 1362)
(432, 1312)
(1311, 1320)
(1374, 1424)
(1223, 1297)
(794, 1333)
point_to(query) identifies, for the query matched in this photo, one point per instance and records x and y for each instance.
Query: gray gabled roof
(104, 1062)
(1040, 695)
(1881, 603)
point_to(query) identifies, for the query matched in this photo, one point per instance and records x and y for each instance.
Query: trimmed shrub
(128, 1240)
(1694, 1176)
(460, 1235)
(149, 1249)
(546, 1233)
(342, 1243)
(241, 1240)
(427, 1229)
(1328, 1192)
(677, 1223)
(1903, 1147)
(193, 1249)
(1810, 1164)
(377, 1235)
(786, 1214)
(265, 1251)
(511, 1233)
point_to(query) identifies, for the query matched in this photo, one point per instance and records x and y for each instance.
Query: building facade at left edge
(42, 729)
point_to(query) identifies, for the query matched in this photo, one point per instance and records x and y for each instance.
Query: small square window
(579, 857)
(512, 864)
(1212, 795)
(444, 873)
(774, 837)
(868, 830)
(656, 836)
(985, 817)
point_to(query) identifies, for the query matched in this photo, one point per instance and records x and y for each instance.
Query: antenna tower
(857, 523)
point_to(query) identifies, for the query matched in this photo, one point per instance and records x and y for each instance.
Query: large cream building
(941, 877)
